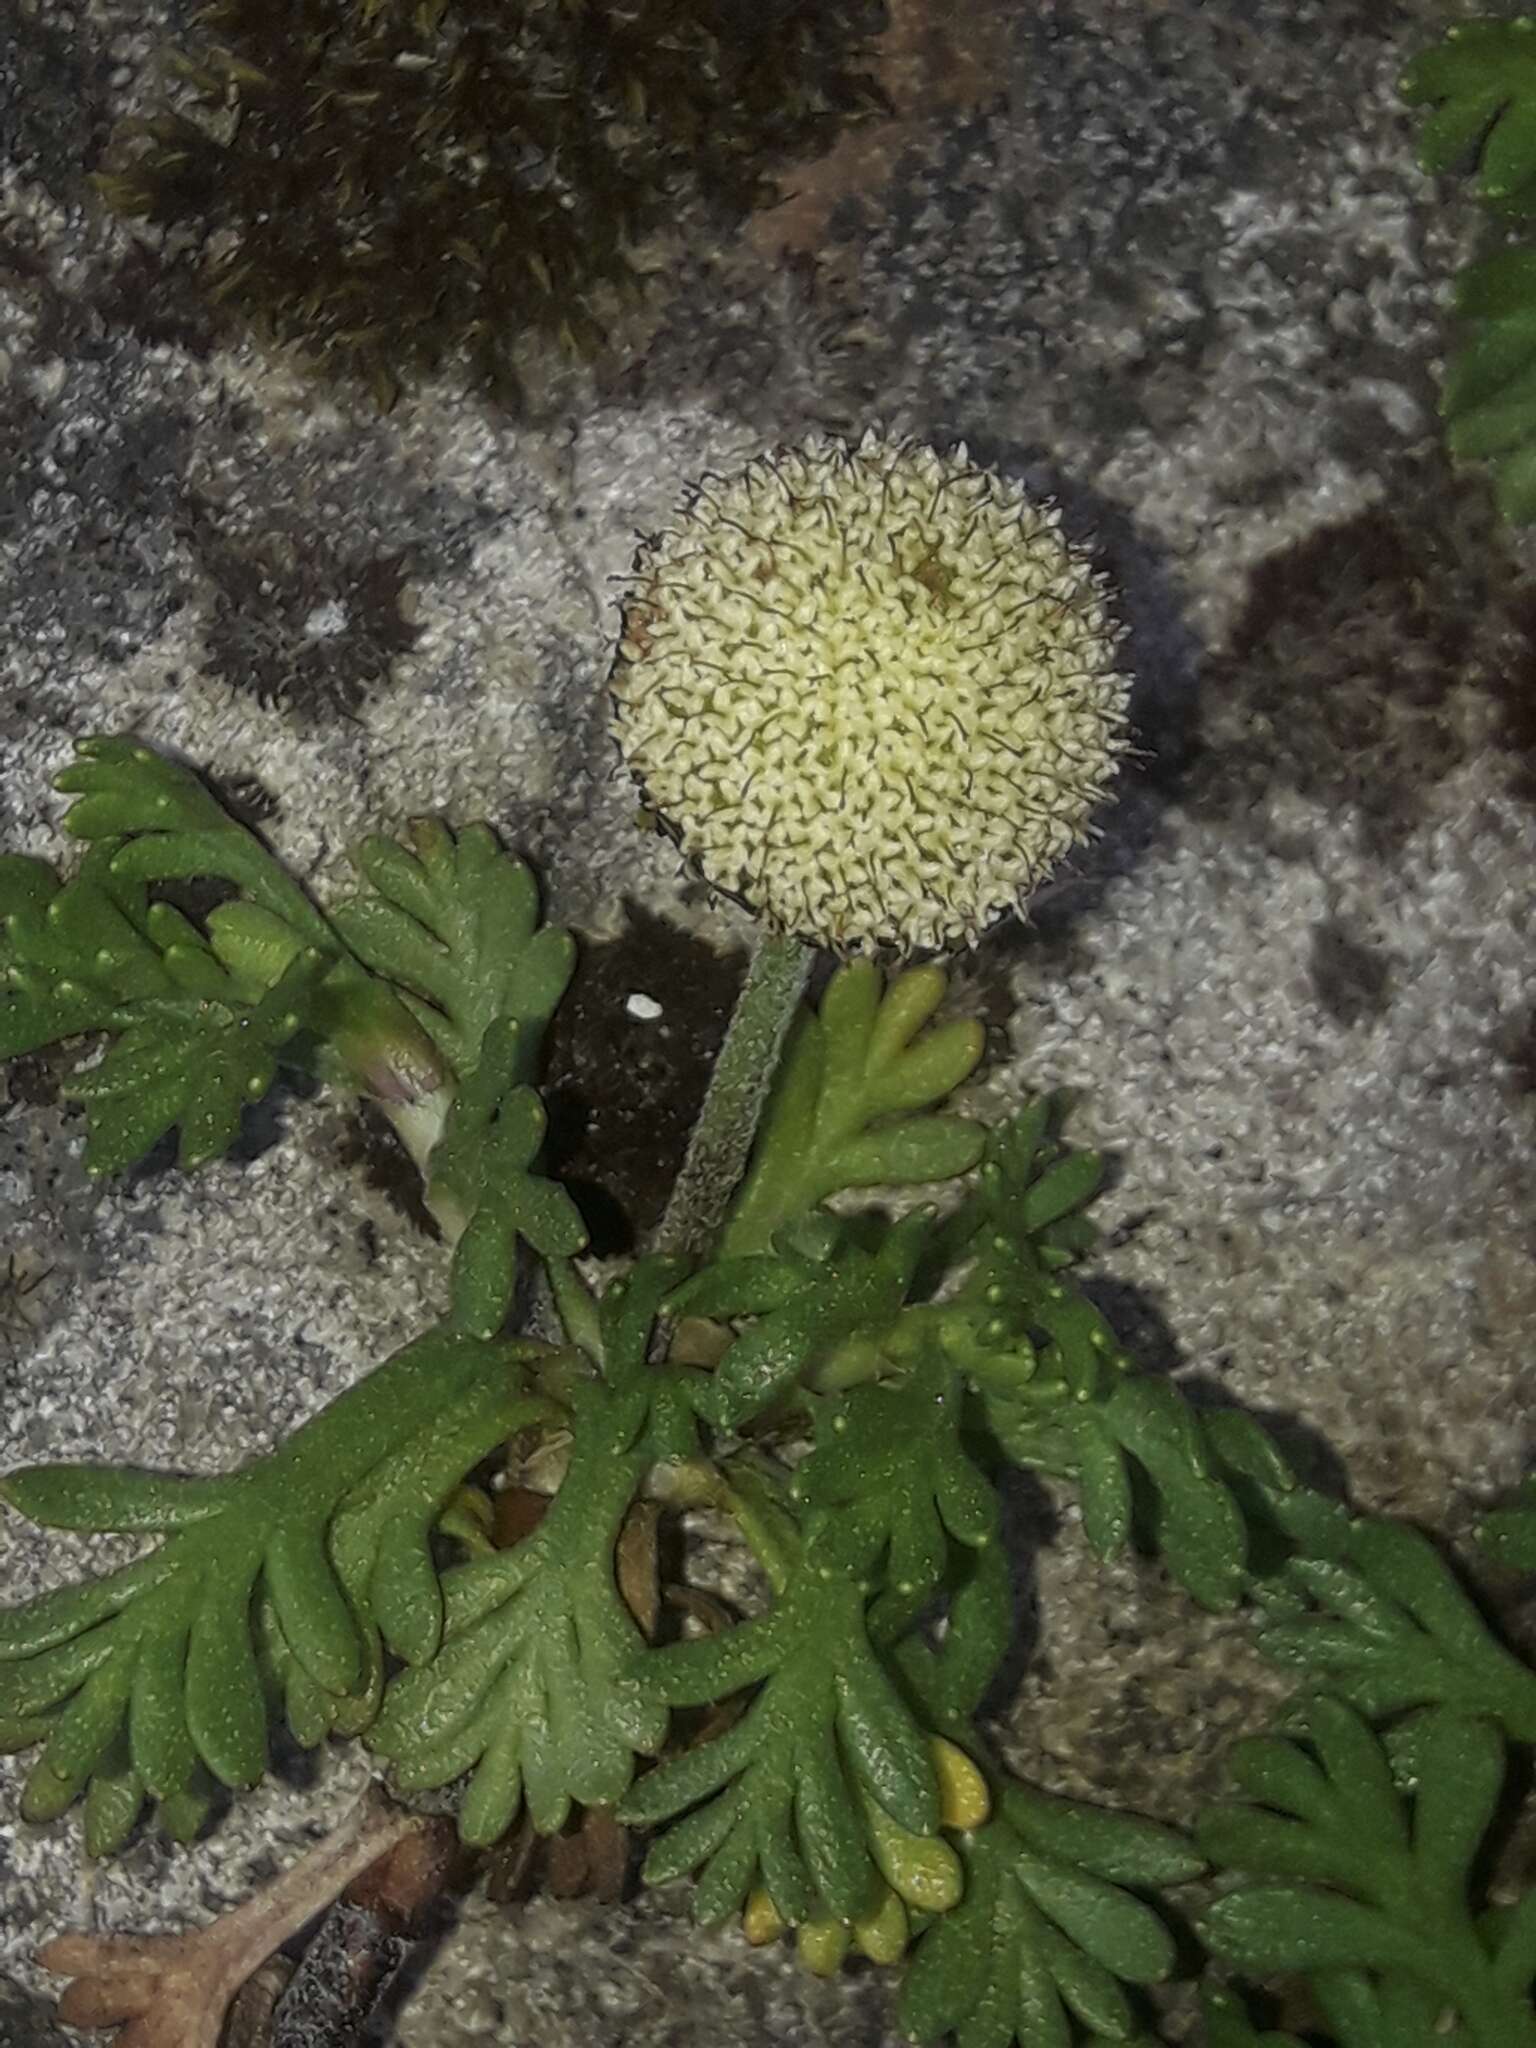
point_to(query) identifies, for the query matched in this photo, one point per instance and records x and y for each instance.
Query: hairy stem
(722, 1137)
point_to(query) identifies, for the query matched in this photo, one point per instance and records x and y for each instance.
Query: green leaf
(532, 1688)
(1482, 82)
(847, 1106)
(821, 1783)
(453, 922)
(947, 1682)
(890, 1471)
(162, 1655)
(1387, 1626)
(1121, 1434)
(171, 826)
(123, 788)
(75, 957)
(481, 1169)
(1373, 1883)
(853, 1296)
(1040, 1942)
(1121, 1847)
(197, 1040)
(197, 1072)
(100, 1497)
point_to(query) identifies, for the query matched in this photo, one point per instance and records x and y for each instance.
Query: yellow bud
(761, 1920)
(821, 1946)
(882, 1935)
(921, 1869)
(964, 1798)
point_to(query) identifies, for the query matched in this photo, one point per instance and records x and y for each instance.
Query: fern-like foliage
(192, 1050)
(1050, 1931)
(150, 1682)
(482, 1172)
(851, 1104)
(454, 925)
(1481, 83)
(820, 1294)
(821, 1781)
(285, 1586)
(1372, 1890)
(531, 1691)
(1481, 86)
(1370, 1609)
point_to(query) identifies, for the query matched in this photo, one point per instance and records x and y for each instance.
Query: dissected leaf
(1481, 81)
(825, 1784)
(196, 1071)
(892, 1474)
(1368, 1887)
(157, 1675)
(850, 1296)
(482, 1167)
(1383, 1621)
(532, 1690)
(453, 922)
(847, 1108)
(1046, 1935)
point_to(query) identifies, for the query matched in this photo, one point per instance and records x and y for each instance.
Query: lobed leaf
(825, 1781)
(155, 1680)
(1481, 81)
(482, 1167)
(1367, 1888)
(1039, 1943)
(847, 1108)
(453, 922)
(531, 1689)
(1387, 1625)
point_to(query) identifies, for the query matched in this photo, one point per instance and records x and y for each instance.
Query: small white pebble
(326, 621)
(646, 1008)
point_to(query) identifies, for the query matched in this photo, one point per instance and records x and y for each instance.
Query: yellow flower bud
(883, 1934)
(821, 1946)
(964, 1797)
(922, 1869)
(761, 1920)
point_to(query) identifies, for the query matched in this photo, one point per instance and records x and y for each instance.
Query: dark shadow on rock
(1137, 1319)
(1030, 1525)
(27, 2021)
(1373, 658)
(368, 1145)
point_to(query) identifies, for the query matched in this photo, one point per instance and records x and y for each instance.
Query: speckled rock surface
(1175, 263)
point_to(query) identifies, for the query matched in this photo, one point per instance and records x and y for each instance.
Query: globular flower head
(871, 689)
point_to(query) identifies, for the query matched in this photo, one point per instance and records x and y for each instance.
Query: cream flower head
(871, 689)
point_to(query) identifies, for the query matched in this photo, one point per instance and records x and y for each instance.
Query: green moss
(397, 184)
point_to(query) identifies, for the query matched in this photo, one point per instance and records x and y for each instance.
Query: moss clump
(392, 184)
